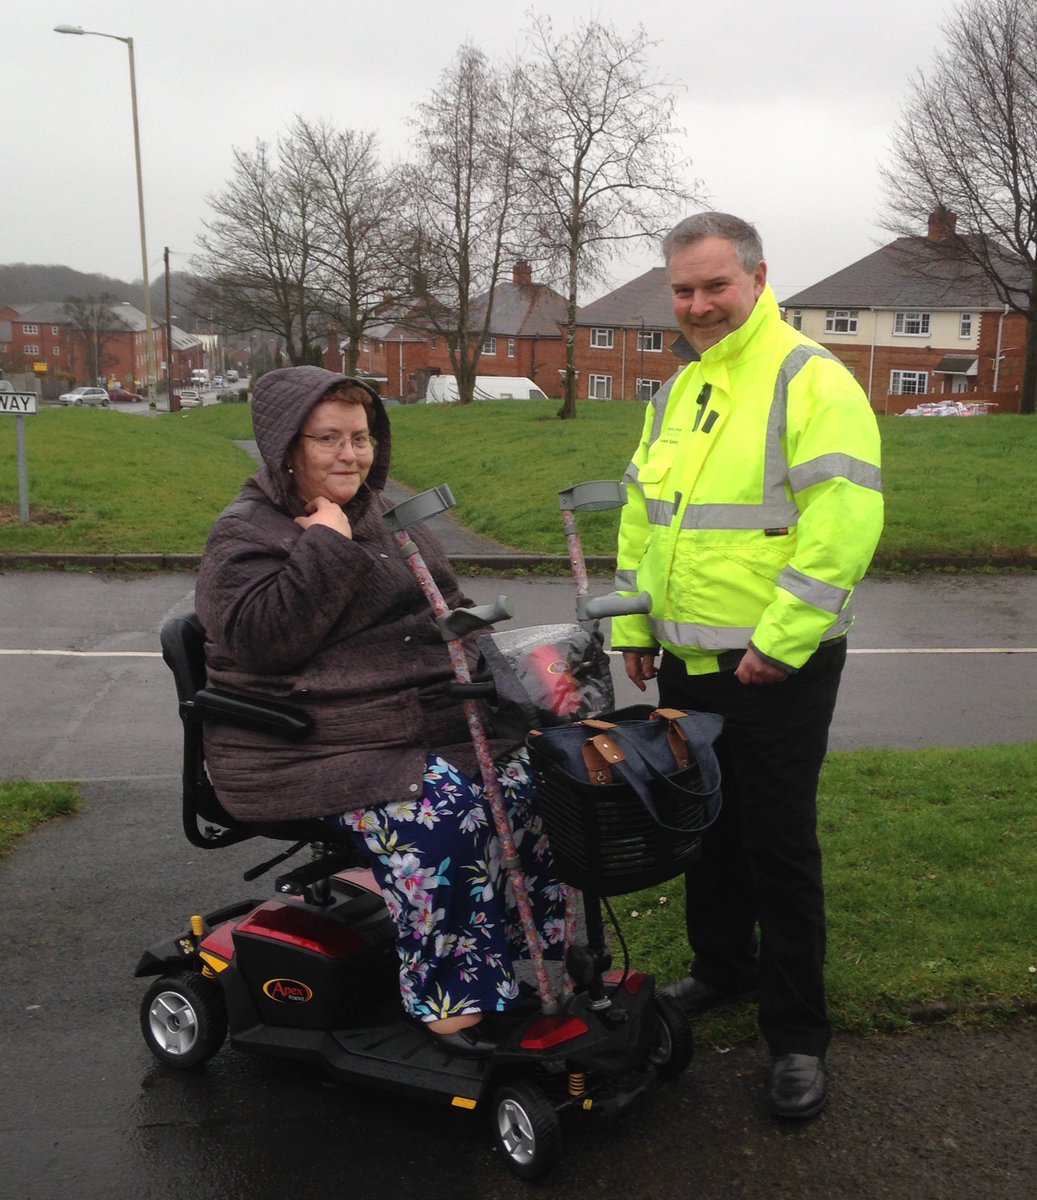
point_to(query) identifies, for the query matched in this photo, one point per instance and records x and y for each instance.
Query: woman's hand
(323, 511)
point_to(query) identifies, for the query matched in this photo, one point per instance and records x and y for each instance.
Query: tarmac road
(86, 1114)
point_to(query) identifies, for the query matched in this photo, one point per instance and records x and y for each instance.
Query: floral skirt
(437, 860)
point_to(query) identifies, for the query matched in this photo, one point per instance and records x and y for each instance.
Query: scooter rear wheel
(183, 1019)
(673, 1043)
(528, 1131)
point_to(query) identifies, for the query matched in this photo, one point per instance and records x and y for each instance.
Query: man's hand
(323, 511)
(755, 670)
(640, 666)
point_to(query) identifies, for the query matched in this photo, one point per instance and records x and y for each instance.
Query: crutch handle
(458, 621)
(593, 608)
(421, 507)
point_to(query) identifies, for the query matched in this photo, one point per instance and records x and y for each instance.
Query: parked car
(6, 385)
(217, 381)
(190, 399)
(121, 396)
(85, 395)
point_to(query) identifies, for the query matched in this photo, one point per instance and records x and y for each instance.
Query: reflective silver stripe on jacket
(813, 591)
(777, 511)
(625, 581)
(715, 638)
(835, 466)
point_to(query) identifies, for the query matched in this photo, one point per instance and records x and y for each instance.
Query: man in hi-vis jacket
(754, 508)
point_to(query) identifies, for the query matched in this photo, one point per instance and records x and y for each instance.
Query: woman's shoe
(471, 1042)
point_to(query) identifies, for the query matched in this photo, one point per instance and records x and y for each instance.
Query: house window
(965, 325)
(433, 342)
(511, 347)
(54, 331)
(601, 386)
(908, 383)
(646, 388)
(911, 324)
(33, 329)
(56, 351)
(797, 319)
(30, 349)
(602, 339)
(840, 320)
(650, 339)
(490, 346)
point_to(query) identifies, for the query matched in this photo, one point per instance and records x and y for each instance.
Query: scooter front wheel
(183, 1019)
(527, 1128)
(673, 1042)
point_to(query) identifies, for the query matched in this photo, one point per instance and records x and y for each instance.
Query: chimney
(522, 274)
(941, 223)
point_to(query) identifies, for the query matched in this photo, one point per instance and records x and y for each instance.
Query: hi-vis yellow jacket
(754, 501)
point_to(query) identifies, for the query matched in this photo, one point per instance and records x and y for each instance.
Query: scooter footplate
(400, 1054)
(394, 1057)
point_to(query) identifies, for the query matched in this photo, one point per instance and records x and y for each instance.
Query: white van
(200, 377)
(442, 389)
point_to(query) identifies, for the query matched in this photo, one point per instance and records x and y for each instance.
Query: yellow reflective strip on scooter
(211, 960)
(463, 1102)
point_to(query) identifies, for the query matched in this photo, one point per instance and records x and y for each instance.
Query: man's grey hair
(741, 234)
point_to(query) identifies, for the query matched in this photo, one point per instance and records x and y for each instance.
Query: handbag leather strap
(636, 771)
(599, 753)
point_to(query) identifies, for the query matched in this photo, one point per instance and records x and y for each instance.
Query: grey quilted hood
(280, 403)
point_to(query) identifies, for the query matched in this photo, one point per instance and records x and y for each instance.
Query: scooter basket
(603, 837)
(603, 840)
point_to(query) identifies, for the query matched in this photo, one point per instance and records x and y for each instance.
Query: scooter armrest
(265, 716)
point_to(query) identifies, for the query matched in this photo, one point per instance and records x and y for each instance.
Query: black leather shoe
(471, 1042)
(696, 997)
(798, 1088)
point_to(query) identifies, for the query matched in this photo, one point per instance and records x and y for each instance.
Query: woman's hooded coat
(335, 625)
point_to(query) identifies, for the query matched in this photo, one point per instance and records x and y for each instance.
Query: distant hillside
(30, 283)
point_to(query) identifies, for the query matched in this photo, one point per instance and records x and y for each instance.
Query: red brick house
(915, 323)
(525, 338)
(627, 342)
(44, 333)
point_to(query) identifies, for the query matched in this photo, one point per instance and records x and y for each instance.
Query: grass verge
(23, 806)
(115, 483)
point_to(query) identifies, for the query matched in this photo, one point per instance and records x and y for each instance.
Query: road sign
(18, 403)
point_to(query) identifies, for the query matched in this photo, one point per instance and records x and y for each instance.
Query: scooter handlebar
(593, 608)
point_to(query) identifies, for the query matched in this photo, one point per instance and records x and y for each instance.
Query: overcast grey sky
(788, 108)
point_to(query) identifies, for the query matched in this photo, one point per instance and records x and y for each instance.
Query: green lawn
(113, 483)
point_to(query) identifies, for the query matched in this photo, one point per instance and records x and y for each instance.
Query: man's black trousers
(761, 862)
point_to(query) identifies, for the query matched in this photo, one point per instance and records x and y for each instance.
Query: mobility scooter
(312, 973)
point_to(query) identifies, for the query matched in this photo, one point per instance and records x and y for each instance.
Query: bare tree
(94, 323)
(258, 269)
(599, 158)
(357, 231)
(460, 197)
(967, 143)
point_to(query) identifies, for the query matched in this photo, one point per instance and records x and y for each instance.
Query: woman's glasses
(333, 442)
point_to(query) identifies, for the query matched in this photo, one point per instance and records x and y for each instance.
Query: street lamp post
(149, 338)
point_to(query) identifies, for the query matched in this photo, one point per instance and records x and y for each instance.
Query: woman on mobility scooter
(305, 598)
